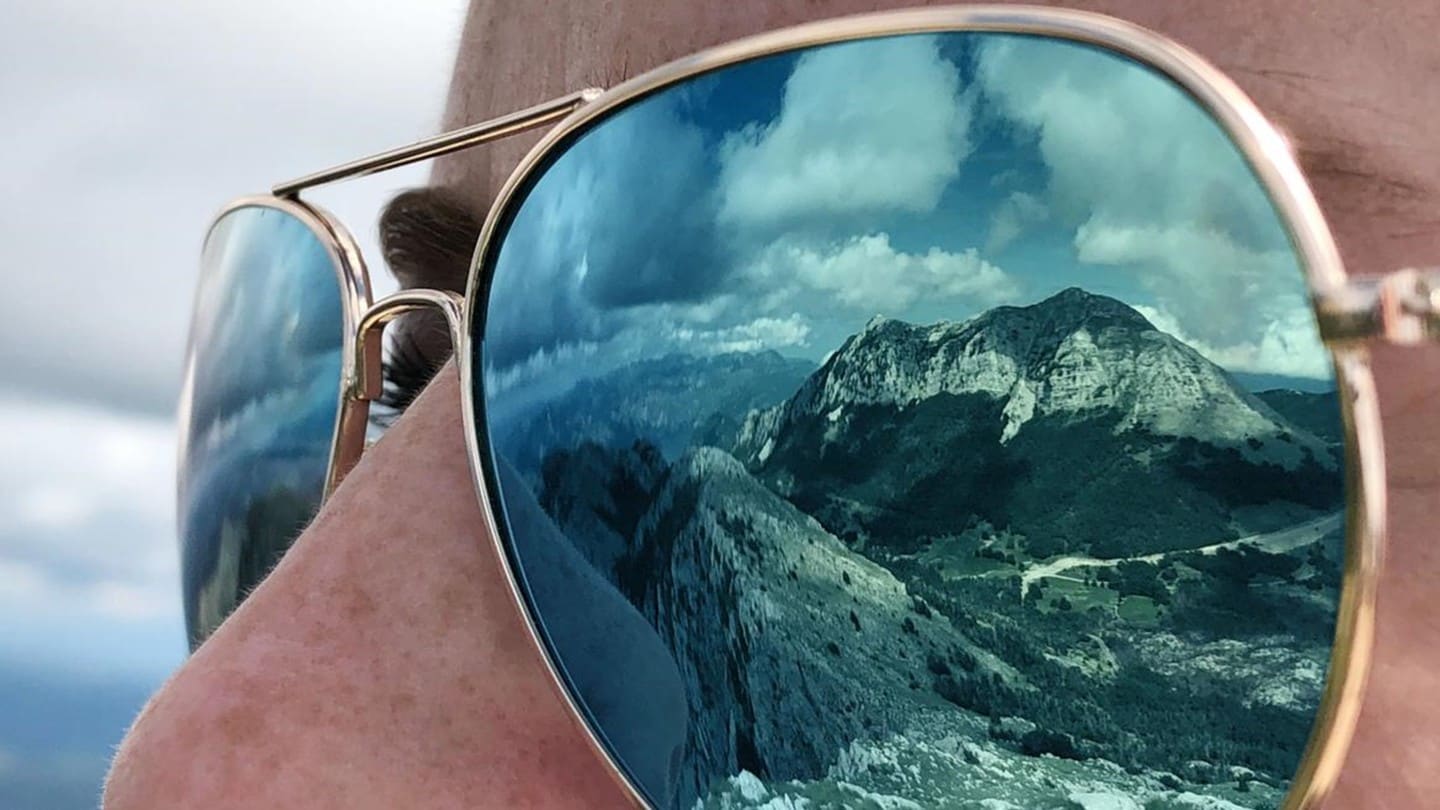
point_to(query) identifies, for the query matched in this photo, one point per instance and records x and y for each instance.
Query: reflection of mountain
(1000, 416)
(244, 537)
(667, 401)
(1048, 530)
(765, 611)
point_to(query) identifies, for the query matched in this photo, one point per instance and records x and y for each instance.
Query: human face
(1399, 193)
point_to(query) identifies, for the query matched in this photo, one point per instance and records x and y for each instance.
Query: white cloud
(88, 512)
(751, 336)
(651, 331)
(866, 273)
(1286, 345)
(129, 125)
(1014, 215)
(863, 127)
(540, 364)
(1154, 188)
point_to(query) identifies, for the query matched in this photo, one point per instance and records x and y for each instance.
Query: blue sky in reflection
(781, 203)
(266, 372)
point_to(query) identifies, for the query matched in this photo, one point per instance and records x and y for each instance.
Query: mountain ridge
(1073, 353)
(1077, 387)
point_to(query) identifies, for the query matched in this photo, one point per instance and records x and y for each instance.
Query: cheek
(1391, 762)
(1408, 380)
(382, 660)
(256, 718)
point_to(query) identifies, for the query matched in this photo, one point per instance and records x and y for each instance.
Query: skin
(383, 660)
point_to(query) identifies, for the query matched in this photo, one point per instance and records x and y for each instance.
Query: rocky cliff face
(776, 626)
(1074, 355)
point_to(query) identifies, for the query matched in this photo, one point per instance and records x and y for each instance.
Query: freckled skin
(382, 664)
(370, 668)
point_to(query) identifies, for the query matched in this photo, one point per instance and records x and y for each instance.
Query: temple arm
(445, 143)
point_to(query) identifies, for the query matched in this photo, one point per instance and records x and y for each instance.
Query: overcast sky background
(126, 126)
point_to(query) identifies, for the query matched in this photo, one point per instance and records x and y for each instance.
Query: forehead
(1357, 92)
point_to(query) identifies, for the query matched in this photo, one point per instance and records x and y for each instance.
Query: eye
(427, 237)
(418, 345)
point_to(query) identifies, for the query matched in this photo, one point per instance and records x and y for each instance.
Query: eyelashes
(427, 237)
(417, 348)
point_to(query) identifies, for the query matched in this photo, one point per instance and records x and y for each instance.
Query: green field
(973, 567)
(1081, 597)
(1139, 610)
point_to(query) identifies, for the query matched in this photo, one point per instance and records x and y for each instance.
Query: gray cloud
(863, 128)
(88, 516)
(1017, 213)
(625, 218)
(1153, 187)
(655, 233)
(129, 126)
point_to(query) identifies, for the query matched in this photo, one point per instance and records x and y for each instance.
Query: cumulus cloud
(90, 522)
(869, 274)
(1288, 345)
(751, 336)
(651, 223)
(1015, 214)
(863, 127)
(200, 104)
(622, 220)
(1152, 187)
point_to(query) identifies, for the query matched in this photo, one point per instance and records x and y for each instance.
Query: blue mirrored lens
(928, 421)
(262, 389)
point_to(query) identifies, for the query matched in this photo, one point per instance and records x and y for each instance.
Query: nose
(383, 658)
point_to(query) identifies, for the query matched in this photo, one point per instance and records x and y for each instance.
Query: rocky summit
(1076, 355)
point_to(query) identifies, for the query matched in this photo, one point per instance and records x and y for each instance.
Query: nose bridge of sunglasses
(1401, 307)
(365, 380)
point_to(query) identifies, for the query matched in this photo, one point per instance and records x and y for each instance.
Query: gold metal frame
(1402, 307)
(353, 280)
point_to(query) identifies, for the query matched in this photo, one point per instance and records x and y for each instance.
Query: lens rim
(1264, 149)
(353, 283)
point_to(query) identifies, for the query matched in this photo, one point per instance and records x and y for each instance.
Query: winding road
(1276, 542)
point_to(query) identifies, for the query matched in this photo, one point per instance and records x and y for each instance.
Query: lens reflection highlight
(262, 389)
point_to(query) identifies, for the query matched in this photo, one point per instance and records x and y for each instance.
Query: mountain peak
(1074, 307)
(1076, 294)
(1074, 355)
(881, 323)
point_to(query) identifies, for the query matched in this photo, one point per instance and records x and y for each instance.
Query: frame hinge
(1401, 307)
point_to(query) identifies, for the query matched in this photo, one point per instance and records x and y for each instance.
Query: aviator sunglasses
(959, 408)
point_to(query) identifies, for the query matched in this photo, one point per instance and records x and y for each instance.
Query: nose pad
(365, 379)
(367, 382)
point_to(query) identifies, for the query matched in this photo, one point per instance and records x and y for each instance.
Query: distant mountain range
(668, 401)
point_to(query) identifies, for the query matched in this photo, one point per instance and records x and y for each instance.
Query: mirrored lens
(924, 421)
(262, 387)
